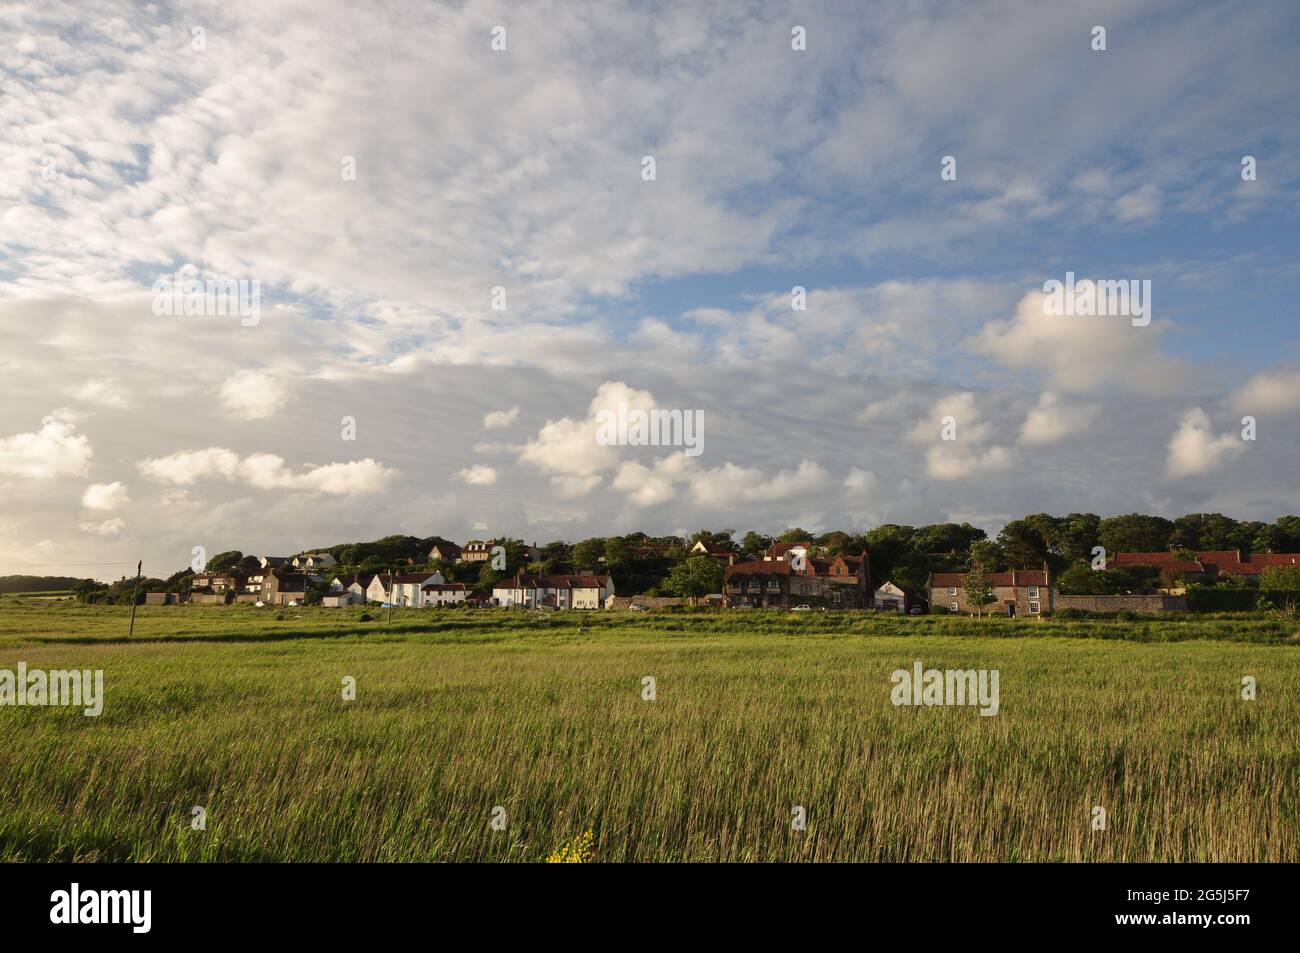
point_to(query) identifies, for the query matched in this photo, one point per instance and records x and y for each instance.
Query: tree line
(662, 565)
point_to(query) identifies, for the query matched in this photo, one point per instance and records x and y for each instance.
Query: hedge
(1238, 600)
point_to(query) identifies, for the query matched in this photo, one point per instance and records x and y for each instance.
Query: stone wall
(653, 602)
(1122, 603)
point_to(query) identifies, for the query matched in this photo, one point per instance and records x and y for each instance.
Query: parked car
(803, 608)
(916, 610)
(637, 607)
(743, 605)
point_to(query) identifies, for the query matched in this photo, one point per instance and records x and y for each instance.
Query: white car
(803, 608)
(260, 604)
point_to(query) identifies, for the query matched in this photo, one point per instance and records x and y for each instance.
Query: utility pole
(135, 595)
(391, 593)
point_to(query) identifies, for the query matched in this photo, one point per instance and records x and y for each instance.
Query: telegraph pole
(135, 595)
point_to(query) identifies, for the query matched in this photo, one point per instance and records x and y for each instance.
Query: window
(952, 590)
(1033, 592)
(952, 607)
(1035, 607)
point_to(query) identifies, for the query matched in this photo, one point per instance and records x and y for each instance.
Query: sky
(462, 258)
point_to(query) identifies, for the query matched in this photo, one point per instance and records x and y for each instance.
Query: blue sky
(138, 140)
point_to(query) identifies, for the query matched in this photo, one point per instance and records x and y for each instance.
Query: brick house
(779, 581)
(477, 551)
(216, 582)
(282, 587)
(1019, 592)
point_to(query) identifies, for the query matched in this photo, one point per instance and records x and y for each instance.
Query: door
(1011, 609)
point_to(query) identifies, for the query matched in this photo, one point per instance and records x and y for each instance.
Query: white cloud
(729, 484)
(1052, 420)
(110, 527)
(860, 481)
(253, 395)
(53, 451)
(966, 416)
(500, 418)
(718, 488)
(267, 471)
(1081, 354)
(105, 496)
(1194, 449)
(187, 466)
(1270, 391)
(478, 475)
(568, 447)
(949, 461)
(104, 392)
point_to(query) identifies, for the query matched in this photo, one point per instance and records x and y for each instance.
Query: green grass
(239, 710)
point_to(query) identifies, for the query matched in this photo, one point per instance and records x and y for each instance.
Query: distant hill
(36, 583)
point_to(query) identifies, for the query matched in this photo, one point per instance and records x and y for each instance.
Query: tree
(617, 553)
(988, 555)
(695, 577)
(1024, 544)
(586, 554)
(1280, 577)
(223, 561)
(948, 538)
(1135, 533)
(755, 543)
(978, 591)
(557, 555)
(1078, 534)
(1080, 579)
(1286, 536)
(795, 535)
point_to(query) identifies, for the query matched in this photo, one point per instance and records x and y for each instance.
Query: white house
(889, 596)
(562, 592)
(443, 593)
(403, 590)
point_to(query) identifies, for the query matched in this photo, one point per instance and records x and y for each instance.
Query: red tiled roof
(1164, 561)
(1274, 559)
(574, 582)
(759, 567)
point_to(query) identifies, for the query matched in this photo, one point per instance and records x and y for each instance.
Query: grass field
(239, 710)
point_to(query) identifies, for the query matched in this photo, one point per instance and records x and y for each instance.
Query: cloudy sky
(380, 169)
